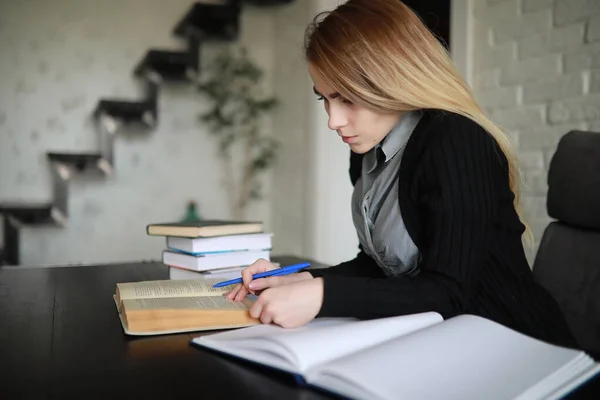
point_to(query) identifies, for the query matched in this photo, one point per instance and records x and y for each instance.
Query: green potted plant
(232, 85)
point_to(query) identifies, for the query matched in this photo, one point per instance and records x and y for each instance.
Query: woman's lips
(349, 139)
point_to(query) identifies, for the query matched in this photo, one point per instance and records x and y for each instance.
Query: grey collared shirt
(375, 209)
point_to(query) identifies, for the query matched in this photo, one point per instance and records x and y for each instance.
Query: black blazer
(456, 203)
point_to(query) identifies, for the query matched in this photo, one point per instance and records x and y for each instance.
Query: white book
(221, 274)
(205, 262)
(255, 241)
(218, 274)
(418, 356)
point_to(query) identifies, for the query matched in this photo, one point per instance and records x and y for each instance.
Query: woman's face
(360, 128)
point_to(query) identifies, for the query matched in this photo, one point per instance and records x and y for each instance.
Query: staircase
(203, 22)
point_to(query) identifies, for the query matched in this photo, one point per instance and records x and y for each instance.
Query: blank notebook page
(317, 346)
(463, 358)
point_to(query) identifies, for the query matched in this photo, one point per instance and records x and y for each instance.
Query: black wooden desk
(60, 335)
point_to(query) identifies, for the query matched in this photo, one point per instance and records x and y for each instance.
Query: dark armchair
(568, 259)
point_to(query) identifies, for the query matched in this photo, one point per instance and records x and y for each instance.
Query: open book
(417, 356)
(169, 306)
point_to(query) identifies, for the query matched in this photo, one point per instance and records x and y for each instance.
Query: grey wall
(535, 71)
(290, 124)
(311, 188)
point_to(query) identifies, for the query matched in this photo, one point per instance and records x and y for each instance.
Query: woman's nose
(337, 118)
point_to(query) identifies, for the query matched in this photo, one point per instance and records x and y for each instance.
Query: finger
(269, 313)
(256, 309)
(277, 320)
(265, 318)
(264, 265)
(260, 265)
(241, 294)
(231, 294)
(247, 275)
(263, 283)
(266, 314)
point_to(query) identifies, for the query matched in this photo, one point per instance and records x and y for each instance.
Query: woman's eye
(344, 101)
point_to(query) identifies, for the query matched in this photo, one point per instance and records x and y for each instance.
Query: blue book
(419, 356)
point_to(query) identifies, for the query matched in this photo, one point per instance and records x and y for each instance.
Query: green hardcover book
(205, 228)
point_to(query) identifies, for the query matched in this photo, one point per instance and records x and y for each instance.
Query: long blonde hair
(381, 56)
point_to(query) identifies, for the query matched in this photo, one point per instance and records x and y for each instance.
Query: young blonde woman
(436, 187)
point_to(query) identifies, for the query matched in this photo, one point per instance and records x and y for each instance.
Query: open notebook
(417, 356)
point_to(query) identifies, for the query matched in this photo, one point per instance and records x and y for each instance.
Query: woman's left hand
(290, 306)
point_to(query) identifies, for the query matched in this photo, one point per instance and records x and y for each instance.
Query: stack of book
(211, 248)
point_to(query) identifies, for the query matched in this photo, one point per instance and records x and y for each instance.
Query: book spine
(300, 380)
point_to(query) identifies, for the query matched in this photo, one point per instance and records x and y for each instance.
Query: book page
(321, 340)
(466, 357)
(256, 344)
(185, 303)
(337, 341)
(169, 288)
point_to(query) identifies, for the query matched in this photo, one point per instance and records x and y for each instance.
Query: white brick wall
(533, 69)
(535, 5)
(551, 40)
(568, 11)
(537, 73)
(58, 58)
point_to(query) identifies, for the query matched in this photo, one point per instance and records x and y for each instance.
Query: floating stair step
(211, 21)
(128, 112)
(33, 214)
(170, 65)
(82, 161)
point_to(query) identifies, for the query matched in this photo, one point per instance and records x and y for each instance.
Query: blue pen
(290, 269)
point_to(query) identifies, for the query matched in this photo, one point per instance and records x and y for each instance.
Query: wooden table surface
(60, 335)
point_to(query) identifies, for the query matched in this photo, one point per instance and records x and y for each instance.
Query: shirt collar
(395, 140)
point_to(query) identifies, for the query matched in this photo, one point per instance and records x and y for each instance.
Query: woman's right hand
(240, 291)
